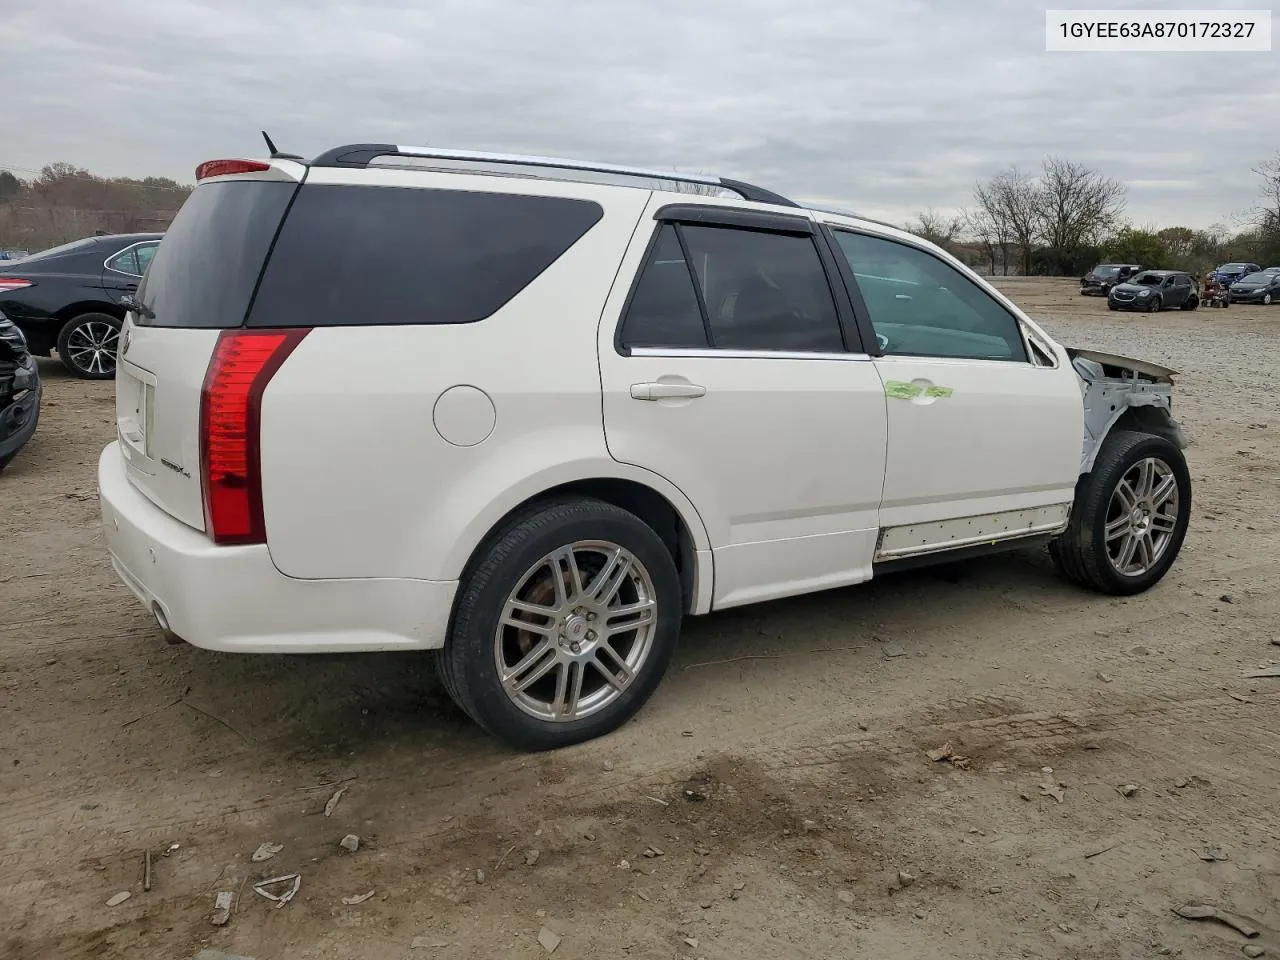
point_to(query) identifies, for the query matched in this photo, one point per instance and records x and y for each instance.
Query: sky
(885, 107)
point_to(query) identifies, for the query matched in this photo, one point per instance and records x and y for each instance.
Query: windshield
(64, 248)
(1105, 271)
(1256, 278)
(1148, 279)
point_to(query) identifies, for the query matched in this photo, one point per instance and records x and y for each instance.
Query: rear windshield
(356, 255)
(75, 246)
(205, 271)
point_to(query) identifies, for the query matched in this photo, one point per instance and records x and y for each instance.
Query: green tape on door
(899, 390)
(938, 392)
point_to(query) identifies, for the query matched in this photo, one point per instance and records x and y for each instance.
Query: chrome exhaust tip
(163, 622)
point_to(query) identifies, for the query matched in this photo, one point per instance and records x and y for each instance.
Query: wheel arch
(79, 307)
(1155, 420)
(659, 504)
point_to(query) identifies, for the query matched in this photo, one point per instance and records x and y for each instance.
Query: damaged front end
(19, 391)
(1122, 391)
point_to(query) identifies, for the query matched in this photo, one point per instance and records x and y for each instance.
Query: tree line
(64, 202)
(1068, 217)
(1059, 221)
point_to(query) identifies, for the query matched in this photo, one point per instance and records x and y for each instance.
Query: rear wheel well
(644, 502)
(89, 306)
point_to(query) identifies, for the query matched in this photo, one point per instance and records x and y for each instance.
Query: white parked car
(541, 411)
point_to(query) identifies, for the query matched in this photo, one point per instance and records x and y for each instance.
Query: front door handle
(664, 391)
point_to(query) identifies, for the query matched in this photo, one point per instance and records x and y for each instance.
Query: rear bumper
(234, 598)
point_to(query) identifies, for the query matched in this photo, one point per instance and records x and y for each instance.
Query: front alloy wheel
(1142, 517)
(564, 624)
(1130, 515)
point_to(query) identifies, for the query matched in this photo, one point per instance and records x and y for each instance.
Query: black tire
(468, 665)
(1156, 305)
(1193, 301)
(1112, 306)
(1080, 552)
(77, 341)
(6, 460)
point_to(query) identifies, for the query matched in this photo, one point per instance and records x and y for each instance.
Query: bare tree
(942, 229)
(1012, 199)
(1265, 217)
(991, 232)
(1076, 205)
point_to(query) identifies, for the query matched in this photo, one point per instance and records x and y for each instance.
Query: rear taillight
(221, 168)
(8, 284)
(243, 363)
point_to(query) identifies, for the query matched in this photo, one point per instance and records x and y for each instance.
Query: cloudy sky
(883, 106)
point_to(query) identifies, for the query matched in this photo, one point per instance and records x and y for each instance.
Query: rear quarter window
(356, 255)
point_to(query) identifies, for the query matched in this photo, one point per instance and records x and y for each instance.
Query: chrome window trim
(106, 264)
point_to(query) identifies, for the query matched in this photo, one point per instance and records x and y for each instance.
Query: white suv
(529, 414)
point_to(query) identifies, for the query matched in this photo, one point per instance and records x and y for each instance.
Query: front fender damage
(1118, 390)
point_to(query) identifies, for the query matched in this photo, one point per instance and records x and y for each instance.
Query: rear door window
(738, 289)
(126, 261)
(145, 253)
(664, 309)
(356, 255)
(764, 291)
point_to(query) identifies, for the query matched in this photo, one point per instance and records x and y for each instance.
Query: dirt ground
(774, 799)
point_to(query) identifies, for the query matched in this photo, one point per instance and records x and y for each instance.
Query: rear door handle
(663, 391)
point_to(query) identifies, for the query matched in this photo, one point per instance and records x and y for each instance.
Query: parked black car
(1229, 273)
(1099, 281)
(19, 391)
(1261, 287)
(1155, 290)
(68, 298)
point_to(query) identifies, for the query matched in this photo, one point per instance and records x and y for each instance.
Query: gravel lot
(774, 800)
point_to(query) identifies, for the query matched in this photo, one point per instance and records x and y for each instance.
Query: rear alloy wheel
(1129, 518)
(87, 345)
(1193, 301)
(565, 627)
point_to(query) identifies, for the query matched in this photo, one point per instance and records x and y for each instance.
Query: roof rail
(857, 216)
(361, 154)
